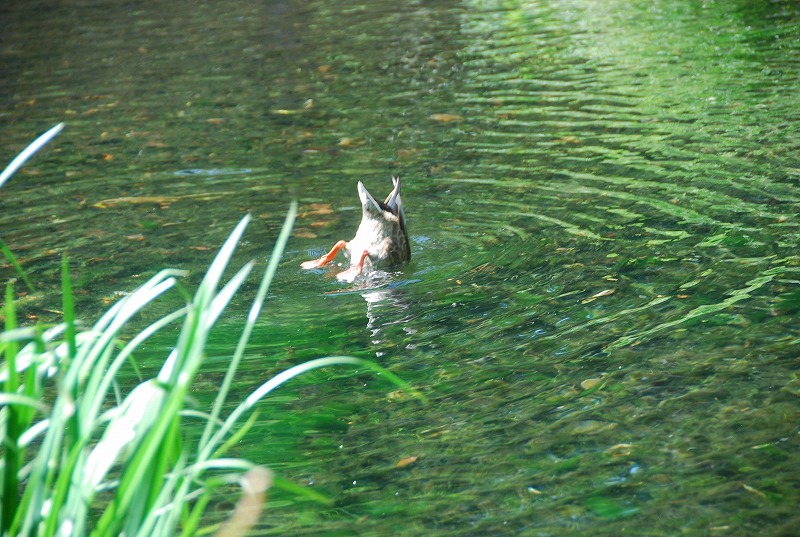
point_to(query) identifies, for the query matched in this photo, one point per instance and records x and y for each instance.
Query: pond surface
(603, 206)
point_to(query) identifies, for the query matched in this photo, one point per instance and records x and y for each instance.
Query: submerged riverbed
(603, 207)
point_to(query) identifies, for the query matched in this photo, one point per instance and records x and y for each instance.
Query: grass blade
(12, 456)
(297, 370)
(6, 174)
(16, 265)
(28, 152)
(7, 399)
(255, 309)
(68, 304)
(283, 377)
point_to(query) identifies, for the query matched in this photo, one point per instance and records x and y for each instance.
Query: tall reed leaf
(12, 457)
(28, 152)
(6, 174)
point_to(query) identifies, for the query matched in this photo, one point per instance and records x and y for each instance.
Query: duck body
(382, 232)
(381, 238)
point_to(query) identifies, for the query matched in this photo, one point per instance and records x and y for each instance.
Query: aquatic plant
(82, 458)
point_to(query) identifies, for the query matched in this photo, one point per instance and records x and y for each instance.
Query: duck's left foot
(315, 263)
(325, 259)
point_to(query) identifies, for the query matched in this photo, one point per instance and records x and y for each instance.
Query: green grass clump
(81, 458)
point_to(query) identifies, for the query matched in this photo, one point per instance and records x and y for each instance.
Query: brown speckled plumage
(382, 236)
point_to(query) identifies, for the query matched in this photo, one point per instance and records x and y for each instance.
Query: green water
(603, 205)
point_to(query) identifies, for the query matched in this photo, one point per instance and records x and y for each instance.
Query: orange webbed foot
(325, 259)
(349, 275)
(352, 273)
(314, 263)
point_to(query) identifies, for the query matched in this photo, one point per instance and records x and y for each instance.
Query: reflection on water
(603, 207)
(378, 301)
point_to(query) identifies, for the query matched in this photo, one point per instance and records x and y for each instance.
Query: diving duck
(382, 236)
